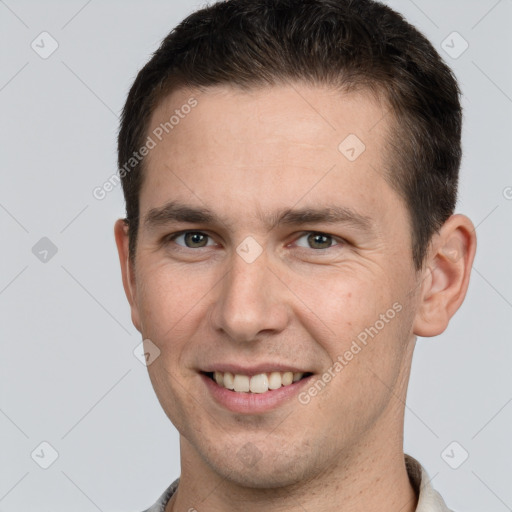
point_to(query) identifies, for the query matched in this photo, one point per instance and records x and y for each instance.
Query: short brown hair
(350, 44)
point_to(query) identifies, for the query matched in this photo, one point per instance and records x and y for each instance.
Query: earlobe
(446, 275)
(127, 270)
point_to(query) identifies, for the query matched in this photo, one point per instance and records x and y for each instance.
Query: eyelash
(339, 241)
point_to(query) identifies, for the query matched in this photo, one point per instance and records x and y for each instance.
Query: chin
(265, 476)
(248, 467)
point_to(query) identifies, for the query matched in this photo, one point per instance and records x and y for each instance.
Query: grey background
(69, 376)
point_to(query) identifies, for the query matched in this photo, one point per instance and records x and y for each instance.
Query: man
(290, 175)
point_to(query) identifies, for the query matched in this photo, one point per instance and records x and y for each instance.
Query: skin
(301, 302)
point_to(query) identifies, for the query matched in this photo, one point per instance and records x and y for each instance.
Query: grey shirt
(429, 499)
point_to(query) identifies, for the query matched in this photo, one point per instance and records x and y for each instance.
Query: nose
(251, 301)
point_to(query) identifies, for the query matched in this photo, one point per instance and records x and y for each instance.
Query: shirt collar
(429, 500)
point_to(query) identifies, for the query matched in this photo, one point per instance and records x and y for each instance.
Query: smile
(260, 383)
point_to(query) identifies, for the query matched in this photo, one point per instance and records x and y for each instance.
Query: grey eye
(317, 241)
(193, 239)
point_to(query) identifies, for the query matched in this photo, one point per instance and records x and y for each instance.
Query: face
(268, 253)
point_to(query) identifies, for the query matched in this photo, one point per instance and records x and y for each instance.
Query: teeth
(241, 383)
(260, 383)
(275, 381)
(228, 381)
(219, 378)
(287, 378)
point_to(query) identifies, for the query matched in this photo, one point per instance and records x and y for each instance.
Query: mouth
(256, 384)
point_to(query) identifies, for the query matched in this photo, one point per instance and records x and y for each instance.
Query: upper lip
(254, 369)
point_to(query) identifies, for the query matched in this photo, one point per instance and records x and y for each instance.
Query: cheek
(340, 306)
(361, 321)
(170, 308)
(168, 299)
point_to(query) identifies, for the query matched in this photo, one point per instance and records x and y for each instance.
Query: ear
(127, 269)
(445, 278)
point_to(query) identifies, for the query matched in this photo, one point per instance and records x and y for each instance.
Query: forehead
(294, 114)
(266, 147)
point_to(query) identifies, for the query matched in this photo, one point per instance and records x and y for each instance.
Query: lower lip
(251, 403)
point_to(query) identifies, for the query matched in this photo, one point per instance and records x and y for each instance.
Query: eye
(318, 241)
(191, 239)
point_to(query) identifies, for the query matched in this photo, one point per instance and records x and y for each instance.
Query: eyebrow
(175, 211)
